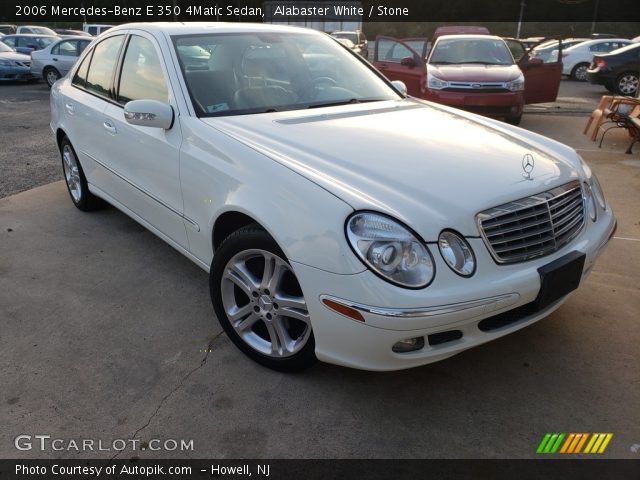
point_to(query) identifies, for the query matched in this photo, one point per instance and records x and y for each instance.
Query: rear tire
(259, 302)
(51, 75)
(627, 84)
(75, 180)
(610, 88)
(579, 72)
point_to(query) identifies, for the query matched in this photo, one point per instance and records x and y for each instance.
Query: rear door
(398, 61)
(542, 76)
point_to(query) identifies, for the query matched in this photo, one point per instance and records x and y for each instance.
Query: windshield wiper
(344, 102)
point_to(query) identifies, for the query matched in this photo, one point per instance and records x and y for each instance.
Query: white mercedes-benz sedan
(338, 218)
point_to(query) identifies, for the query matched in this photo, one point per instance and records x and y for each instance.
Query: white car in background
(576, 59)
(338, 218)
(55, 60)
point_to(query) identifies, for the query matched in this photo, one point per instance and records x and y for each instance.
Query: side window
(82, 44)
(142, 76)
(103, 64)
(80, 77)
(392, 51)
(67, 48)
(10, 41)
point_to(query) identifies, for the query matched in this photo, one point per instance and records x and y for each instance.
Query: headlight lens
(435, 83)
(597, 192)
(516, 85)
(390, 250)
(590, 201)
(457, 253)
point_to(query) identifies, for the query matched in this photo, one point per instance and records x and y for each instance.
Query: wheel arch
(60, 134)
(229, 222)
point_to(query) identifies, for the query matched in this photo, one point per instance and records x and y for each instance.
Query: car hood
(423, 164)
(15, 56)
(474, 72)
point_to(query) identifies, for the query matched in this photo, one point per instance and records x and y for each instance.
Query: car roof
(32, 35)
(600, 40)
(469, 36)
(191, 28)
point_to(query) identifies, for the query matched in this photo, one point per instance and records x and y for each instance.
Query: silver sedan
(55, 60)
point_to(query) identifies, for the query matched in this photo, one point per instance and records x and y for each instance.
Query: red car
(477, 73)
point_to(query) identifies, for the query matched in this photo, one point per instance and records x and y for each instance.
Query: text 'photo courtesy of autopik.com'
(279, 239)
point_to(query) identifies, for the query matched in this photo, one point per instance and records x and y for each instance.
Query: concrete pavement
(108, 333)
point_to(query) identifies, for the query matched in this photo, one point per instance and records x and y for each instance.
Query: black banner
(122, 11)
(566, 469)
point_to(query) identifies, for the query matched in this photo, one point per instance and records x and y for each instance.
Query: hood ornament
(527, 165)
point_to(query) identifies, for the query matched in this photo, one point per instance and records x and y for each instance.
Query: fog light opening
(409, 345)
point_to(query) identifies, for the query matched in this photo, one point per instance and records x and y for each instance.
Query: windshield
(43, 31)
(486, 51)
(230, 74)
(5, 48)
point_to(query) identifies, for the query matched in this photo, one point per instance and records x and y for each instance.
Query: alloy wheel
(71, 173)
(264, 303)
(628, 84)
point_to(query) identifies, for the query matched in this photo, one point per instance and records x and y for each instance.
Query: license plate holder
(560, 277)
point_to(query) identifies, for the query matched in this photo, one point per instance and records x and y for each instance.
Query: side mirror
(149, 113)
(399, 86)
(408, 62)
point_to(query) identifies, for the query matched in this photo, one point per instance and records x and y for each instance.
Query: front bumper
(16, 73)
(501, 294)
(499, 104)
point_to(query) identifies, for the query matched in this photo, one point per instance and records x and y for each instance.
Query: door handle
(108, 126)
(55, 59)
(382, 67)
(70, 108)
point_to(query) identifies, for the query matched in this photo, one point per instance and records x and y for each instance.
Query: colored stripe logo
(574, 443)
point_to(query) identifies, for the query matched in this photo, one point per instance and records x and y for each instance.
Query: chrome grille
(533, 226)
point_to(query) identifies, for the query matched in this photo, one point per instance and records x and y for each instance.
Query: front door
(542, 76)
(398, 61)
(145, 161)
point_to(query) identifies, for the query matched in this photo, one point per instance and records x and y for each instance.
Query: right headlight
(390, 250)
(434, 83)
(590, 201)
(597, 191)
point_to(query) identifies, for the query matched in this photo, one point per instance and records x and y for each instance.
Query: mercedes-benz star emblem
(527, 165)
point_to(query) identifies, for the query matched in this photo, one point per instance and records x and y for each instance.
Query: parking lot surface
(108, 333)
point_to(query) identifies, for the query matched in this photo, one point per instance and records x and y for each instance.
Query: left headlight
(390, 250)
(516, 85)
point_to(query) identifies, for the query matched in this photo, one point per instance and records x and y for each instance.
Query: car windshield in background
(349, 36)
(486, 51)
(5, 48)
(230, 74)
(626, 48)
(42, 31)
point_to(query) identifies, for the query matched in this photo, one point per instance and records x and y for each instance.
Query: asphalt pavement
(108, 333)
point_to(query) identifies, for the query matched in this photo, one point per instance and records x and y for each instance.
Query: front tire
(51, 76)
(627, 84)
(76, 182)
(514, 120)
(259, 302)
(579, 72)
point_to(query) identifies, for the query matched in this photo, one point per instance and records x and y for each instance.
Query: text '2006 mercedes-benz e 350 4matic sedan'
(338, 218)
